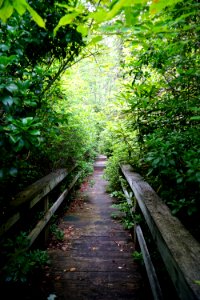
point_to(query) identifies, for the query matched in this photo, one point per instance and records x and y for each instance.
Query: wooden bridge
(95, 259)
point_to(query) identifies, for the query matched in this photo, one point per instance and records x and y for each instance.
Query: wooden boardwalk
(95, 259)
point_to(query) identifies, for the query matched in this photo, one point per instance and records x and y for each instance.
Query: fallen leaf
(72, 269)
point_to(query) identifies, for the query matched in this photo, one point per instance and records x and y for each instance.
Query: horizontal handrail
(33, 194)
(178, 248)
(36, 191)
(153, 280)
(43, 222)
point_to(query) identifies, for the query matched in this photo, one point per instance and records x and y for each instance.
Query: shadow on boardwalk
(95, 261)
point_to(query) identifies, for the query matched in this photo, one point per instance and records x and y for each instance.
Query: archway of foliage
(153, 123)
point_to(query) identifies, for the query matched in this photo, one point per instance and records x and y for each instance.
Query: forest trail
(94, 261)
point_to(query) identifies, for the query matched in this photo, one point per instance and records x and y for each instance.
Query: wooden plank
(36, 191)
(9, 223)
(91, 264)
(151, 273)
(43, 222)
(178, 248)
(46, 208)
(153, 280)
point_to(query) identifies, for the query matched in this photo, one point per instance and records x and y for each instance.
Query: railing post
(46, 207)
(135, 239)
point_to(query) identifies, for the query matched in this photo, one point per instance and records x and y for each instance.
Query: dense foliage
(32, 128)
(160, 112)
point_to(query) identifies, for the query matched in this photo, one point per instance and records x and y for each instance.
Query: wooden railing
(35, 195)
(179, 250)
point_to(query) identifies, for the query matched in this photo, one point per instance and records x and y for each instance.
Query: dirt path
(95, 261)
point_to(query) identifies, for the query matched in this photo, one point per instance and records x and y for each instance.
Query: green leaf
(35, 16)
(12, 87)
(131, 15)
(195, 118)
(156, 161)
(6, 10)
(96, 39)
(4, 47)
(34, 132)
(6, 60)
(19, 146)
(13, 172)
(27, 120)
(99, 16)
(118, 5)
(195, 108)
(82, 29)
(30, 102)
(179, 180)
(158, 5)
(23, 85)
(116, 9)
(20, 6)
(67, 19)
(14, 139)
(8, 100)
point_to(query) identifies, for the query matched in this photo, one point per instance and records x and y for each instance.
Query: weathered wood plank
(46, 208)
(153, 280)
(178, 248)
(43, 222)
(36, 191)
(9, 223)
(151, 273)
(31, 195)
(89, 264)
